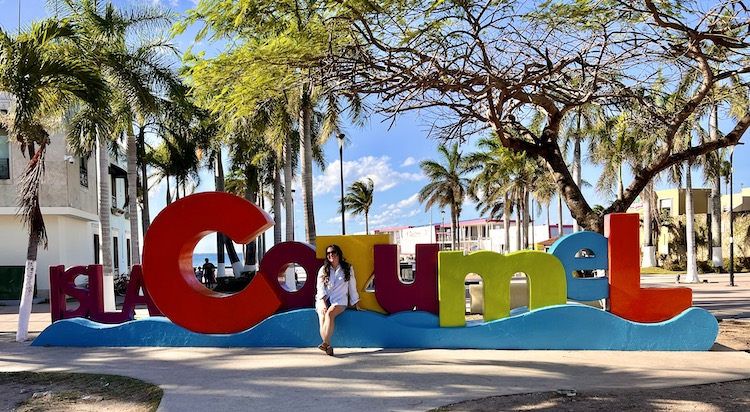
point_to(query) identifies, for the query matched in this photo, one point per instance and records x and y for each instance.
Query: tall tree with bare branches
(478, 65)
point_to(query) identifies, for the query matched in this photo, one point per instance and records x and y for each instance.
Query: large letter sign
(428, 312)
(627, 299)
(545, 275)
(168, 264)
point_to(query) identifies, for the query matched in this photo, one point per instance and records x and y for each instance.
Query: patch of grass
(73, 386)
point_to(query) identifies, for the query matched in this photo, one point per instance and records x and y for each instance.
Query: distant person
(336, 289)
(199, 273)
(209, 274)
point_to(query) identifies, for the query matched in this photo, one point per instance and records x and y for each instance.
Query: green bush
(706, 266)
(743, 263)
(674, 264)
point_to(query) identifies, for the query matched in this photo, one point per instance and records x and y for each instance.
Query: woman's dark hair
(345, 266)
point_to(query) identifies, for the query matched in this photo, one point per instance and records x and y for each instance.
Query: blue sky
(390, 156)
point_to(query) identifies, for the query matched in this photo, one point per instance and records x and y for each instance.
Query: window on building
(127, 250)
(84, 172)
(4, 155)
(665, 207)
(113, 189)
(117, 174)
(116, 255)
(96, 249)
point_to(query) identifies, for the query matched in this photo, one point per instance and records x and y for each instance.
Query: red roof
(548, 242)
(392, 229)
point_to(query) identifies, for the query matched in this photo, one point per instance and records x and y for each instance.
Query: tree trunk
(577, 162)
(261, 250)
(234, 259)
(549, 235)
(105, 227)
(692, 267)
(367, 223)
(27, 293)
(649, 251)
(277, 206)
(177, 184)
(169, 191)
(145, 214)
(251, 194)
(506, 221)
(31, 185)
(220, 266)
(524, 219)
(454, 228)
(135, 244)
(560, 215)
(529, 217)
(288, 196)
(519, 224)
(717, 259)
(307, 165)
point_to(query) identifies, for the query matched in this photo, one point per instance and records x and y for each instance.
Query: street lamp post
(293, 213)
(340, 137)
(731, 216)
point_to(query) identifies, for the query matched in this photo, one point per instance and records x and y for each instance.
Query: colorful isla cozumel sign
(426, 313)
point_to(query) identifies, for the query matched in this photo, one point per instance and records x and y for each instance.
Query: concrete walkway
(280, 379)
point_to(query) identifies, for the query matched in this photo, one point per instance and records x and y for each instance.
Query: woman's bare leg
(321, 310)
(328, 322)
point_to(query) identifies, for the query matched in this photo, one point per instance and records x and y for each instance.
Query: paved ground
(271, 379)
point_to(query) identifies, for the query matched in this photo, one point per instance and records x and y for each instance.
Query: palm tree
(447, 186)
(176, 156)
(504, 181)
(712, 162)
(285, 51)
(574, 130)
(544, 191)
(44, 79)
(253, 161)
(358, 200)
(132, 74)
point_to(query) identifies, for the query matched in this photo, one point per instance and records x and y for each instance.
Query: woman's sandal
(324, 347)
(329, 350)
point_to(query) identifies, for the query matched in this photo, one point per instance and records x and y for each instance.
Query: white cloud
(384, 216)
(376, 168)
(395, 214)
(409, 161)
(171, 3)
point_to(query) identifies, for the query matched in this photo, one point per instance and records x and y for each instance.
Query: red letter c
(168, 264)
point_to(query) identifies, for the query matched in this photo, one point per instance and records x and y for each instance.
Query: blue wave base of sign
(561, 327)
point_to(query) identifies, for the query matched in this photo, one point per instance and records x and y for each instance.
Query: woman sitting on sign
(337, 288)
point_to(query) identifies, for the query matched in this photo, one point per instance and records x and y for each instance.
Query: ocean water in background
(200, 258)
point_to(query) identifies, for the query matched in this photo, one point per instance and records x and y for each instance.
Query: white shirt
(338, 290)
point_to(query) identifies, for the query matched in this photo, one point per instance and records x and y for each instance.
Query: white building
(70, 208)
(474, 235)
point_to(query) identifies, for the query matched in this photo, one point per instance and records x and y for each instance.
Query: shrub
(743, 263)
(705, 266)
(674, 264)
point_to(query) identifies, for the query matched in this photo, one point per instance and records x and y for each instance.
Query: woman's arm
(319, 286)
(353, 294)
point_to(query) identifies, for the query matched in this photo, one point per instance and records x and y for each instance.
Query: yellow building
(671, 208)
